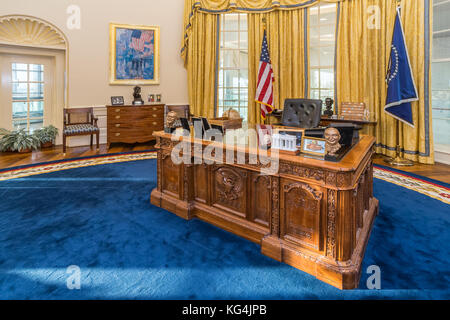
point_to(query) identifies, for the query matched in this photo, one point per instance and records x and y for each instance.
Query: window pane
(19, 110)
(229, 59)
(441, 46)
(231, 78)
(19, 66)
(244, 94)
(440, 18)
(315, 94)
(314, 81)
(36, 109)
(37, 76)
(36, 124)
(230, 40)
(313, 36)
(326, 94)
(326, 78)
(231, 94)
(220, 78)
(314, 57)
(244, 41)
(19, 91)
(243, 22)
(20, 124)
(327, 35)
(326, 56)
(243, 60)
(36, 67)
(231, 22)
(36, 91)
(243, 73)
(19, 76)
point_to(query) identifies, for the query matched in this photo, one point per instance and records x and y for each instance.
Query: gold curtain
(362, 60)
(285, 36)
(200, 63)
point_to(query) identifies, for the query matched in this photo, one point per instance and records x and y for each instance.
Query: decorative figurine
(332, 137)
(137, 96)
(171, 118)
(329, 105)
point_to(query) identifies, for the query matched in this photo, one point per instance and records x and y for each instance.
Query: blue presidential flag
(401, 87)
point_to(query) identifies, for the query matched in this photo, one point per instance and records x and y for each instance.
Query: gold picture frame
(306, 149)
(139, 62)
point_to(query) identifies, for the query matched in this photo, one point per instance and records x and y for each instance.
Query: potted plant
(20, 141)
(47, 136)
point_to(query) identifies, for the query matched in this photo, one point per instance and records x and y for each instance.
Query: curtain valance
(192, 7)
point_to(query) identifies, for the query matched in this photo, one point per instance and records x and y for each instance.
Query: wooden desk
(311, 214)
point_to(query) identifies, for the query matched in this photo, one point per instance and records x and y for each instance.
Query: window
(322, 30)
(232, 86)
(27, 96)
(440, 72)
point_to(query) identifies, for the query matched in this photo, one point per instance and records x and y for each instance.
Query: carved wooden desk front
(311, 214)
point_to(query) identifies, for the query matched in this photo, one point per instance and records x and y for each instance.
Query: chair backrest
(353, 110)
(302, 113)
(183, 111)
(78, 116)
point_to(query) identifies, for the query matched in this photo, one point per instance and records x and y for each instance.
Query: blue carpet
(100, 219)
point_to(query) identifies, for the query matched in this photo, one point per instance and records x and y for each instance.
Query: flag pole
(398, 160)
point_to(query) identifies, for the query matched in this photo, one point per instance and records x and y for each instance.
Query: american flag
(139, 39)
(264, 91)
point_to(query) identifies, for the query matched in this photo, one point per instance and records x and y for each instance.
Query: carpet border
(432, 188)
(72, 163)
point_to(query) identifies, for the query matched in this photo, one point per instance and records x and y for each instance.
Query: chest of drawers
(133, 124)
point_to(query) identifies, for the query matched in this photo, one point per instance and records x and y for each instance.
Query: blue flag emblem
(401, 87)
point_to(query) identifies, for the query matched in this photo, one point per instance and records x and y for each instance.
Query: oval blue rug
(99, 218)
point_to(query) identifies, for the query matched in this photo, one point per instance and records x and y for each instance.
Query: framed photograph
(158, 98)
(297, 132)
(134, 54)
(313, 146)
(117, 101)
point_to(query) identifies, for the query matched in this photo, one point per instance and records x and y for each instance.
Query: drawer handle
(154, 108)
(154, 115)
(117, 125)
(117, 110)
(117, 134)
(154, 123)
(117, 117)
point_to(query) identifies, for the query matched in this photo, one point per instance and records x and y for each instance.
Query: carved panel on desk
(201, 182)
(303, 172)
(171, 173)
(230, 189)
(260, 198)
(301, 209)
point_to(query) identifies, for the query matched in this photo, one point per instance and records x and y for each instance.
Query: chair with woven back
(80, 122)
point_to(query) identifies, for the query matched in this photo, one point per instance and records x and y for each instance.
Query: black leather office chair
(302, 113)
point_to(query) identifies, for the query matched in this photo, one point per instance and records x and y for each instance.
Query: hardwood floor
(440, 172)
(14, 159)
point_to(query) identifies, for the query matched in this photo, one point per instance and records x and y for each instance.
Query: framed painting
(134, 54)
(313, 146)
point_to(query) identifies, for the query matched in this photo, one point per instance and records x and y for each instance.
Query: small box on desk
(224, 123)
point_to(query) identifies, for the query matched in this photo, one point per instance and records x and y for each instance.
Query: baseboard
(442, 157)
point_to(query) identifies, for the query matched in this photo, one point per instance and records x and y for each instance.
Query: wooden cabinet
(133, 124)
